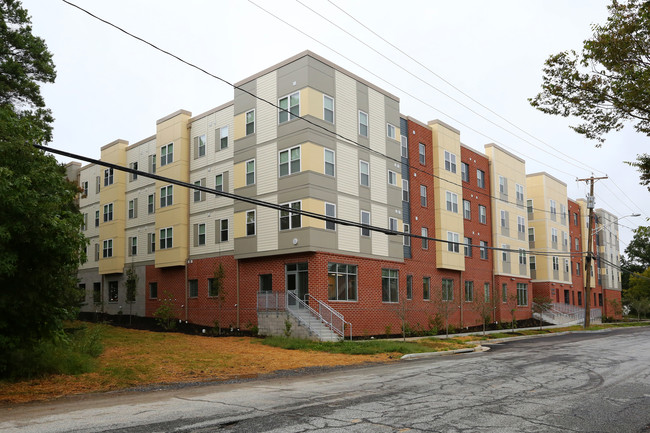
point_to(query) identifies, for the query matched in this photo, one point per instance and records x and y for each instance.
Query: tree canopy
(41, 245)
(608, 83)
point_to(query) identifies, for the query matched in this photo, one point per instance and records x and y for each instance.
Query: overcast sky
(111, 86)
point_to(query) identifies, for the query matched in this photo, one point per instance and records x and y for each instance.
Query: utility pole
(590, 228)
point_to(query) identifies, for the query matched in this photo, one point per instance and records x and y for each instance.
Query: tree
(131, 284)
(638, 250)
(608, 83)
(41, 245)
(639, 286)
(484, 307)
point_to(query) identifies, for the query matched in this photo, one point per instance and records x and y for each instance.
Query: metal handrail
(329, 311)
(300, 303)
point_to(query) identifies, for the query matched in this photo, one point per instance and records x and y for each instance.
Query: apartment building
(609, 259)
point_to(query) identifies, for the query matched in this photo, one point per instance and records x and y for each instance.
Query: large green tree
(41, 245)
(608, 83)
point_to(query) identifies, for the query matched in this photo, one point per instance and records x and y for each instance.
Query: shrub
(165, 316)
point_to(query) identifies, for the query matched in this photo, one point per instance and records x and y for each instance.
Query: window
(113, 291)
(426, 288)
(266, 283)
(578, 269)
(341, 282)
(166, 154)
(290, 220)
(198, 194)
(108, 177)
(504, 292)
(199, 235)
(422, 154)
(522, 256)
(556, 263)
(392, 224)
(447, 289)
(505, 254)
(151, 203)
(469, 291)
(452, 244)
(329, 162)
(222, 227)
(166, 238)
(553, 209)
(521, 224)
(519, 193)
(404, 146)
(468, 247)
(133, 246)
(84, 188)
(223, 137)
(503, 186)
(392, 178)
(133, 176)
(467, 210)
(423, 196)
(390, 131)
(407, 238)
(250, 122)
(328, 109)
(290, 161)
(529, 205)
(152, 163)
(575, 218)
(486, 292)
(364, 173)
(522, 294)
(193, 288)
(567, 268)
(151, 247)
(213, 289)
(250, 172)
(531, 234)
(483, 249)
(218, 182)
(482, 214)
(409, 287)
(452, 202)
(250, 223)
(199, 146)
(577, 242)
(504, 219)
(108, 212)
(579, 298)
(425, 238)
(480, 178)
(450, 162)
(533, 263)
(330, 211)
(107, 251)
(166, 195)
(389, 285)
(365, 220)
(289, 107)
(554, 235)
(363, 123)
(565, 239)
(98, 184)
(563, 214)
(464, 171)
(153, 290)
(405, 190)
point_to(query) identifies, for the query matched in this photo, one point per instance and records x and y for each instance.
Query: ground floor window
(504, 292)
(97, 293)
(522, 294)
(153, 290)
(426, 288)
(194, 288)
(389, 285)
(469, 291)
(447, 289)
(409, 287)
(112, 291)
(341, 282)
(266, 283)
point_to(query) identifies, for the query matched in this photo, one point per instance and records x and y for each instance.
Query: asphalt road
(595, 382)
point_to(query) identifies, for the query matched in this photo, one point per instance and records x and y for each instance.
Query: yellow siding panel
(239, 177)
(239, 125)
(312, 157)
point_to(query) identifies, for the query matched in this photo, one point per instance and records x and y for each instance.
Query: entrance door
(297, 281)
(566, 297)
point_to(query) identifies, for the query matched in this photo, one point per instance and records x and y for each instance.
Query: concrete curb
(478, 348)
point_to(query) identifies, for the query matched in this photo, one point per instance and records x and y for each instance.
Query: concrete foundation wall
(273, 324)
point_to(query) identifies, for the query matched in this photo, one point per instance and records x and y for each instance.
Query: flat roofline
(416, 121)
(174, 114)
(446, 125)
(210, 111)
(144, 140)
(468, 147)
(543, 173)
(505, 151)
(308, 53)
(113, 143)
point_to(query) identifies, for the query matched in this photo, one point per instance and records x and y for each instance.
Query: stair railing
(332, 318)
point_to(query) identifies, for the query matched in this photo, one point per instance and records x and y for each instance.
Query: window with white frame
(363, 123)
(467, 210)
(341, 282)
(250, 122)
(450, 162)
(389, 285)
(469, 291)
(96, 218)
(522, 256)
(330, 211)
(426, 288)
(452, 202)
(556, 263)
(218, 182)
(447, 289)
(425, 238)
(328, 109)
(505, 254)
(486, 292)
(250, 223)
(563, 213)
(392, 178)
(108, 177)
(223, 137)
(223, 230)
(482, 214)
(533, 263)
(107, 250)
(529, 205)
(392, 224)
(84, 187)
(390, 131)
(364, 173)
(553, 209)
(423, 195)
(407, 238)
(522, 294)
(166, 196)
(108, 212)
(503, 187)
(200, 234)
(133, 208)
(519, 192)
(152, 163)
(289, 160)
(504, 219)
(289, 219)
(404, 146)
(250, 172)
(483, 248)
(199, 146)
(166, 154)
(133, 176)
(577, 242)
(365, 220)
(554, 235)
(464, 171)
(289, 107)
(198, 194)
(565, 239)
(480, 178)
(453, 245)
(521, 224)
(405, 190)
(133, 246)
(566, 265)
(151, 203)
(151, 243)
(468, 247)
(330, 164)
(166, 238)
(531, 234)
(422, 151)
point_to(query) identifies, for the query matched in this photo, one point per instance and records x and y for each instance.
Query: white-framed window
(467, 210)
(467, 247)
(425, 235)
(556, 263)
(222, 226)
(363, 123)
(482, 214)
(250, 172)
(96, 218)
(407, 238)
(464, 171)
(133, 176)
(199, 146)
(531, 234)
(198, 194)
(151, 203)
(364, 173)
(166, 195)
(554, 235)
(151, 243)
(404, 146)
(289, 160)
(519, 192)
(480, 178)
(553, 208)
(483, 249)
(529, 205)
(521, 224)
(563, 214)
(447, 289)
(505, 254)
(469, 291)
(133, 246)
(108, 212)
(341, 282)
(422, 151)
(218, 182)
(330, 162)
(452, 201)
(250, 122)
(84, 188)
(107, 250)
(503, 188)
(392, 178)
(166, 238)
(566, 265)
(193, 288)
(533, 263)
(289, 107)
(577, 242)
(390, 131)
(565, 239)
(486, 292)
(423, 195)
(389, 285)
(522, 256)
(223, 137)
(426, 288)
(392, 224)
(405, 190)
(133, 208)
(504, 219)
(108, 177)
(453, 244)
(328, 109)
(365, 220)
(166, 154)
(250, 223)
(200, 234)
(522, 294)
(330, 211)
(288, 219)
(450, 162)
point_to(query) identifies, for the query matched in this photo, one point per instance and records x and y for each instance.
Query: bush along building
(338, 147)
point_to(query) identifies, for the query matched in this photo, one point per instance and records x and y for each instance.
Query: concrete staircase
(313, 325)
